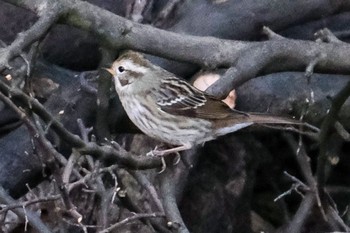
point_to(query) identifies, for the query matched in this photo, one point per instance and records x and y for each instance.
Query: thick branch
(249, 58)
(326, 127)
(301, 215)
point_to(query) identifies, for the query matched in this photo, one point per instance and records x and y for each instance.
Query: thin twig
(271, 34)
(325, 35)
(5, 208)
(304, 163)
(298, 183)
(106, 153)
(311, 66)
(130, 219)
(28, 215)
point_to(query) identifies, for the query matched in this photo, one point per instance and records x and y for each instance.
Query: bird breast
(175, 130)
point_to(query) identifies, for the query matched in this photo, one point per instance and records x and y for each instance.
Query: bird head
(132, 73)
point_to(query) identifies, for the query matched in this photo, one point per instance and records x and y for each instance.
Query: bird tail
(270, 119)
(240, 121)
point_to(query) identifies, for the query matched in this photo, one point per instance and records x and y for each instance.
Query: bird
(171, 110)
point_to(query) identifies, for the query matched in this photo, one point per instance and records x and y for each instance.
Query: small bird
(173, 111)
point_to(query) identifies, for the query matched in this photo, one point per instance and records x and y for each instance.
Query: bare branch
(137, 9)
(168, 191)
(311, 66)
(249, 58)
(146, 184)
(298, 183)
(165, 12)
(6, 208)
(33, 219)
(326, 128)
(300, 217)
(107, 153)
(130, 219)
(304, 163)
(326, 35)
(49, 13)
(342, 131)
(271, 34)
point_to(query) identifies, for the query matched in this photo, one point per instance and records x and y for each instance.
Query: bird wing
(178, 97)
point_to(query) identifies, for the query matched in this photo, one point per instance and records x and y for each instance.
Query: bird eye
(121, 69)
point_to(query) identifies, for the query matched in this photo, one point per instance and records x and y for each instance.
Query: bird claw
(155, 152)
(161, 153)
(158, 153)
(163, 166)
(177, 158)
(150, 153)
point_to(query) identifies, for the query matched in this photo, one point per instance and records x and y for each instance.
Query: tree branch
(130, 219)
(249, 58)
(49, 14)
(326, 127)
(33, 219)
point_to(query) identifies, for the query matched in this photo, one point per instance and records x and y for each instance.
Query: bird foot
(156, 152)
(161, 153)
(177, 159)
(163, 166)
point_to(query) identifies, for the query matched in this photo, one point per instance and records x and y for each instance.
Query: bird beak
(122, 81)
(111, 71)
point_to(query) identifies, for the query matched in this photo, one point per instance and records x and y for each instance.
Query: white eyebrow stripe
(129, 65)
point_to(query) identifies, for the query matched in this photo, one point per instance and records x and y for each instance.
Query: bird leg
(161, 154)
(157, 152)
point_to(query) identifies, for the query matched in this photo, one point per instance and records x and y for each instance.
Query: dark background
(227, 185)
